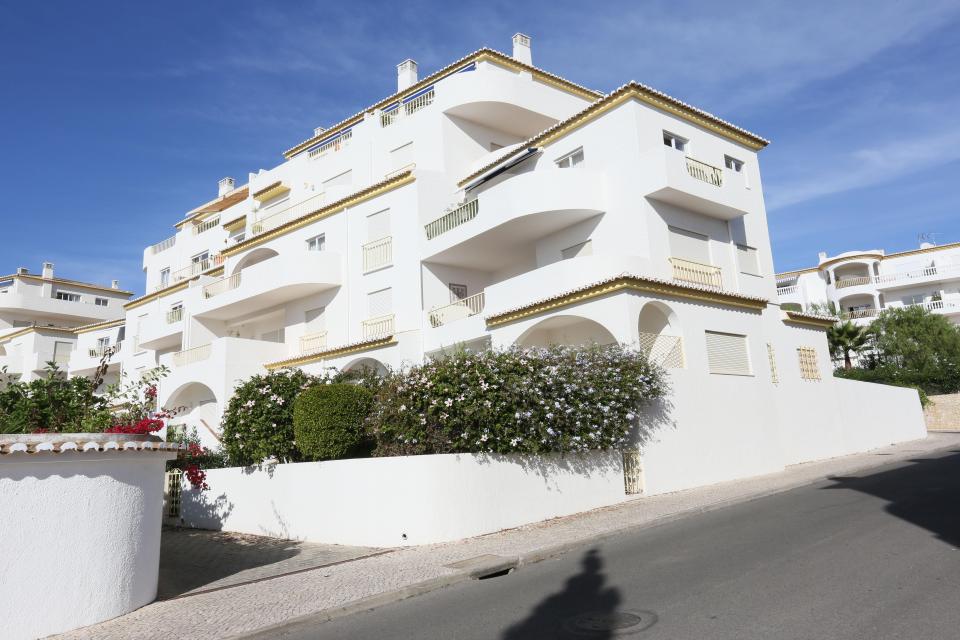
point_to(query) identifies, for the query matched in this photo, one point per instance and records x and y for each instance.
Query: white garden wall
(427, 499)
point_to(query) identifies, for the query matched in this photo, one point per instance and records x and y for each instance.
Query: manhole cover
(620, 622)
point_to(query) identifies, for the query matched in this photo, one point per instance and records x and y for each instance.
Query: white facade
(40, 316)
(861, 284)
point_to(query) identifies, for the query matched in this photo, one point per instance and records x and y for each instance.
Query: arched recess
(659, 335)
(254, 257)
(370, 364)
(566, 330)
(196, 407)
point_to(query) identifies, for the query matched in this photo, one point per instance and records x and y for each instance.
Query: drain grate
(594, 623)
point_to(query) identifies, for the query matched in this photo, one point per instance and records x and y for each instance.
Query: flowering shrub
(195, 459)
(538, 400)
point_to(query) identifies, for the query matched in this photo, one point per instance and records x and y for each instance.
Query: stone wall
(943, 413)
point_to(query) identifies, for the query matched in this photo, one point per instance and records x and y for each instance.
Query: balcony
(273, 219)
(193, 269)
(933, 273)
(855, 281)
(313, 342)
(667, 175)
(85, 360)
(452, 219)
(689, 272)
(408, 108)
(206, 225)
(191, 356)
(339, 142)
(787, 291)
(378, 254)
(163, 245)
(458, 310)
(859, 314)
(273, 281)
(379, 327)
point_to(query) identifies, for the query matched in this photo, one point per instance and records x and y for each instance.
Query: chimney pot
(225, 185)
(521, 49)
(48, 270)
(406, 74)
(318, 130)
(22, 271)
(114, 284)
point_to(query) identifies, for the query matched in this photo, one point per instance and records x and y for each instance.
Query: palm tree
(845, 338)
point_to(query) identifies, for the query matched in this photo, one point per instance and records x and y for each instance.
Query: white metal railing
(925, 272)
(99, 352)
(452, 219)
(379, 326)
(786, 291)
(163, 245)
(206, 225)
(175, 315)
(189, 356)
(465, 308)
(334, 145)
(285, 215)
(705, 172)
(852, 282)
(705, 275)
(859, 313)
(378, 254)
(195, 269)
(313, 342)
(387, 118)
(222, 285)
(419, 102)
(667, 351)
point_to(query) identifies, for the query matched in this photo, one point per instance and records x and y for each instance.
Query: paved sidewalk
(371, 581)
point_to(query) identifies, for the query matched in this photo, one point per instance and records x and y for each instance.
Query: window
(457, 291)
(772, 360)
(338, 180)
(61, 352)
(727, 354)
(689, 245)
(378, 225)
(379, 303)
(69, 297)
(100, 302)
(809, 370)
(572, 159)
(402, 156)
(733, 164)
(675, 141)
(577, 250)
(275, 335)
(317, 243)
(103, 343)
(747, 260)
(164, 276)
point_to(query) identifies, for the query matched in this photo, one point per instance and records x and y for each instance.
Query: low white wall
(80, 534)
(875, 415)
(377, 501)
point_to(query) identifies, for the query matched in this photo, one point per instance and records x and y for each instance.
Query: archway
(659, 335)
(368, 364)
(196, 407)
(254, 257)
(566, 330)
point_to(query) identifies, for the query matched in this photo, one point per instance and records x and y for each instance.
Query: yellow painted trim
(236, 223)
(323, 212)
(813, 322)
(627, 283)
(26, 330)
(856, 256)
(331, 353)
(270, 192)
(150, 297)
(110, 324)
(889, 256)
(796, 272)
(71, 283)
(539, 74)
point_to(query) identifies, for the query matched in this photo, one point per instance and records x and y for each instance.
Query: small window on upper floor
(572, 159)
(747, 260)
(317, 243)
(675, 141)
(733, 164)
(103, 343)
(100, 302)
(577, 250)
(69, 297)
(164, 276)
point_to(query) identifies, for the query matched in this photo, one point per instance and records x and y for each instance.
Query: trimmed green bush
(791, 306)
(328, 421)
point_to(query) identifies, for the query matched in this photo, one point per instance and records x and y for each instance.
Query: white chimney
(822, 255)
(521, 49)
(406, 74)
(47, 270)
(22, 271)
(927, 245)
(318, 130)
(114, 284)
(225, 185)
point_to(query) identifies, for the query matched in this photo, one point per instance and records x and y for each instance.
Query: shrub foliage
(538, 400)
(328, 421)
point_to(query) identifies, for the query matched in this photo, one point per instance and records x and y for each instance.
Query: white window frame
(733, 164)
(571, 160)
(674, 141)
(164, 276)
(101, 302)
(317, 242)
(66, 296)
(452, 287)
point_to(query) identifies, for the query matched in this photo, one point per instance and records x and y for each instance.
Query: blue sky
(116, 118)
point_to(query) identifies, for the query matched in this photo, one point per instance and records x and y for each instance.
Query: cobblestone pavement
(194, 561)
(369, 581)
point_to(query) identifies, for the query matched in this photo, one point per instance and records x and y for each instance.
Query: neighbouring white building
(861, 284)
(492, 203)
(42, 318)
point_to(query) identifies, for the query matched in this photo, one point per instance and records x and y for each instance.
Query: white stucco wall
(430, 499)
(80, 537)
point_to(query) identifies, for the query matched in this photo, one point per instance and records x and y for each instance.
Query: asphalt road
(872, 556)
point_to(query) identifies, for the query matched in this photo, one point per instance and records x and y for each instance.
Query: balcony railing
(667, 351)
(465, 308)
(705, 172)
(705, 275)
(419, 102)
(206, 225)
(926, 272)
(163, 245)
(222, 285)
(195, 269)
(313, 342)
(378, 254)
(387, 118)
(453, 219)
(859, 313)
(852, 282)
(786, 291)
(279, 218)
(189, 356)
(377, 327)
(103, 350)
(175, 315)
(333, 146)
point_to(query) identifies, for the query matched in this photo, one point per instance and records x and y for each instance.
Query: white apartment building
(41, 316)
(860, 284)
(493, 203)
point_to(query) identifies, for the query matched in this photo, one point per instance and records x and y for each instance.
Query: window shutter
(727, 353)
(689, 245)
(61, 352)
(378, 225)
(747, 260)
(380, 303)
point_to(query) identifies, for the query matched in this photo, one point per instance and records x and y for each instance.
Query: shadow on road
(924, 493)
(584, 593)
